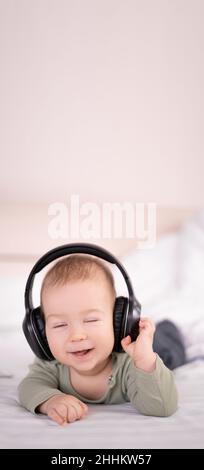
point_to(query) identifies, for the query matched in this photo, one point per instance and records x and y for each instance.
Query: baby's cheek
(51, 341)
(55, 349)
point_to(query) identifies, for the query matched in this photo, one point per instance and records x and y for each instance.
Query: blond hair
(74, 268)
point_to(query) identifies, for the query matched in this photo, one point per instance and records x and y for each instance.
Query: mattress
(106, 426)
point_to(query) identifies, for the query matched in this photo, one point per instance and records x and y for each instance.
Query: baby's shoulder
(47, 365)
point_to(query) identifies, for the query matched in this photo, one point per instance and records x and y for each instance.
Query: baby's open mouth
(81, 353)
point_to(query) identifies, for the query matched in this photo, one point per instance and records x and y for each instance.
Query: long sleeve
(152, 393)
(39, 385)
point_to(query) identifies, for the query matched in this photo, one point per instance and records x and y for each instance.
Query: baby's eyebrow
(84, 312)
(91, 310)
(55, 315)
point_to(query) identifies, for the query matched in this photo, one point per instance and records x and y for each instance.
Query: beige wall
(100, 98)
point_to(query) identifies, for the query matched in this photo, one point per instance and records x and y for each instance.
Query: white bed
(116, 426)
(168, 280)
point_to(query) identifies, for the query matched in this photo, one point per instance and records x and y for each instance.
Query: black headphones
(126, 313)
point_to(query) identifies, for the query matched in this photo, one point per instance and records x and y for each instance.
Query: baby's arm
(39, 392)
(149, 383)
(40, 384)
(151, 393)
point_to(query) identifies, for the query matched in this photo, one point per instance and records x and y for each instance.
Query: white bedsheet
(112, 426)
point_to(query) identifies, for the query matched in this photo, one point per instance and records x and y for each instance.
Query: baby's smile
(82, 352)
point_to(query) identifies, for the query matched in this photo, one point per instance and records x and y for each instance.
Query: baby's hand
(64, 408)
(141, 350)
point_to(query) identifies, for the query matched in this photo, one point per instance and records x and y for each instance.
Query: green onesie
(150, 393)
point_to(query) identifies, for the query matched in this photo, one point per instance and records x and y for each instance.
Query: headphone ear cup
(34, 330)
(119, 316)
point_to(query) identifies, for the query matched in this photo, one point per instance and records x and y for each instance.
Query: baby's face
(79, 323)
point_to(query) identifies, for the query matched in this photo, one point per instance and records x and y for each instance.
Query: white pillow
(151, 271)
(191, 255)
(12, 300)
(13, 278)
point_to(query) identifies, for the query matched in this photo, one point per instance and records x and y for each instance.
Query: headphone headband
(71, 248)
(126, 312)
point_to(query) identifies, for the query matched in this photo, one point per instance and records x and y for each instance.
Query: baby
(77, 301)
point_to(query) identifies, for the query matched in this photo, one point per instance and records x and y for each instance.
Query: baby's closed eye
(60, 325)
(89, 320)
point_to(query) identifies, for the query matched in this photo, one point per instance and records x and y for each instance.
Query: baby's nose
(77, 334)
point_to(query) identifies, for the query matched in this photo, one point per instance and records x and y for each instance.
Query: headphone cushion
(119, 314)
(39, 322)
(34, 330)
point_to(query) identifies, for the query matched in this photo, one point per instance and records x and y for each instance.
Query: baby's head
(77, 300)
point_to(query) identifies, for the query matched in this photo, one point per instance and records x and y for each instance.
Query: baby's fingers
(146, 323)
(55, 416)
(73, 414)
(77, 410)
(84, 408)
(126, 342)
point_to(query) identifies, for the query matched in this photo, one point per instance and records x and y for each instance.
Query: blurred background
(103, 99)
